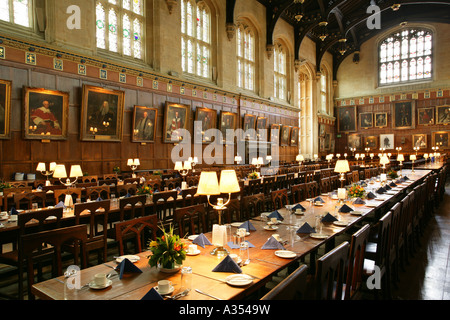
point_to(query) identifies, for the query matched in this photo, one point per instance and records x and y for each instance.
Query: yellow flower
(153, 244)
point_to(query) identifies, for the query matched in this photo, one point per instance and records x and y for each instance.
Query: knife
(207, 294)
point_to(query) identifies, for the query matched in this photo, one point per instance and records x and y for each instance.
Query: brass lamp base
(219, 252)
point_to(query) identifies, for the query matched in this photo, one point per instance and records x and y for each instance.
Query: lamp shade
(412, 157)
(300, 158)
(137, 162)
(178, 166)
(41, 167)
(342, 166)
(130, 162)
(400, 158)
(60, 171)
(187, 165)
(208, 185)
(260, 160)
(254, 161)
(75, 171)
(384, 160)
(425, 156)
(52, 166)
(229, 182)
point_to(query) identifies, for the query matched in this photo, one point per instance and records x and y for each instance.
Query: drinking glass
(34, 206)
(244, 253)
(186, 278)
(319, 224)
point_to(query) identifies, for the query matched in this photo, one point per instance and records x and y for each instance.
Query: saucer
(94, 286)
(340, 223)
(318, 236)
(171, 289)
(132, 258)
(236, 224)
(239, 280)
(273, 228)
(356, 213)
(318, 204)
(285, 254)
(193, 237)
(197, 252)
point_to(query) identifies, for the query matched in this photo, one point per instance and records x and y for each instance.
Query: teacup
(100, 279)
(274, 220)
(242, 232)
(298, 211)
(234, 257)
(276, 236)
(192, 249)
(164, 286)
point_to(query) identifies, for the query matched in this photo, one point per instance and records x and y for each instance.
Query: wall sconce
(42, 169)
(133, 164)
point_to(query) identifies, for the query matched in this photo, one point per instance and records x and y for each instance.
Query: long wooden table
(264, 263)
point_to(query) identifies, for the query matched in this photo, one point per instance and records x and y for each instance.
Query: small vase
(169, 268)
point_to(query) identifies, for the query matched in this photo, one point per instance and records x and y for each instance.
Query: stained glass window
(196, 38)
(324, 89)
(280, 75)
(119, 25)
(245, 43)
(406, 56)
(16, 11)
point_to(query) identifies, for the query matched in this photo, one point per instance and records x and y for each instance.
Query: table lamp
(208, 186)
(401, 158)
(268, 159)
(43, 170)
(342, 167)
(183, 169)
(133, 164)
(193, 162)
(60, 173)
(412, 158)
(238, 159)
(300, 159)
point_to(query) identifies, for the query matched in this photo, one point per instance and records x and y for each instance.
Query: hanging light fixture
(342, 46)
(299, 1)
(323, 32)
(298, 17)
(395, 6)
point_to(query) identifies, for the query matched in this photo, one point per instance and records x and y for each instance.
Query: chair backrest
(312, 189)
(302, 177)
(136, 227)
(298, 192)
(165, 204)
(268, 185)
(279, 198)
(132, 180)
(355, 174)
(356, 261)
(192, 181)
(383, 240)
(56, 238)
(396, 224)
(154, 184)
(293, 287)
(309, 176)
(87, 179)
(233, 211)
(125, 189)
(172, 183)
(60, 194)
(252, 206)
(330, 271)
(189, 198)
(325, 185)
(132, 207)
(46, 219)
(281, 181)
(255, 186)
(18, 184)
(28, 198)
(191, 220)
(94, 193)
(111, 176)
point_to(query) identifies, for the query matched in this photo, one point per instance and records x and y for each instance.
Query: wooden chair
(192, 181)
(355, 174)
(132, 207)
(281, 182)
(95, 216)
(255, 186)
(60, 194)
(39, 183)
(89, 179)
(302, 177)
(8, 196)
(189, 198)
(165, 204)
(329, 279)
(26, 200)
(233, 212)
(312, 189)
(132, 180)
(279, 199)
(15, 257)
(268, 185)
(156, 185)
(125, 189)
(377, 254)
(354, 281)
(298, 193)
(94, 193)
(136, 229)
(325, 185)
(334, 182)
(394, 255)
(293, 287)
(309, 177)
(252, 206)
(191, 220)
(173, 183)
(111, 176)
(18, 184)
(32, 243)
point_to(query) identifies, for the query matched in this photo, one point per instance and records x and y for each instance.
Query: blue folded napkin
(60, 205)
(359, 201)
(126, 266)
(247, 225)
(381, 190)
(272, 244)
(345, 209)
(152, 295)
(306, 228)
(14, 211)
(128, 195)
(39, 188)
(387, 187)
(329, 218)
(319, 199)
(405, 178)
(202, 241)
(298, 206)
(393, 184)
(236, 246)
(276, 214)
(99, 199)
(227, 265)
(371, 196)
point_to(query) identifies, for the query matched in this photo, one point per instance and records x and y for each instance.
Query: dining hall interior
(238, 150)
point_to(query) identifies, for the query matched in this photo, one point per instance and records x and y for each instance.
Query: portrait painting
(381, 119)
(144, 124)
(327, 141)
(5, 108)
(275, 130)
(249, 126)
(347, 119)
(176, 118)
(102, 114)
(228, 121)
(294, 137)
(371, 142)
(285, 136)
(387, 141)
(45, 113)
(440, 139)
(366, 120)
(403, 114)
(443, 115)
(419, 141)
(425, 116)
(208, 120)
(261, 128)
(354, 141)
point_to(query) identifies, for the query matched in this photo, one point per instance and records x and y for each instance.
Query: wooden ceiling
(347, 19)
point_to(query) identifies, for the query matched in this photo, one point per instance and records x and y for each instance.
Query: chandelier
(323, 32)
(342, 46)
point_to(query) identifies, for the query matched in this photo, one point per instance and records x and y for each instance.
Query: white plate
(132, 258)
(371, 205)
(193, 237)
(356, 213)
(171, 289)
(273, 228)
(238, 280)
(391, 193)
(197, 252)
(299, 213)
(340, 223)
(285, 254)
(318, 236)
(236, 224)
(334, 197)
(94, 286)
(318, 204)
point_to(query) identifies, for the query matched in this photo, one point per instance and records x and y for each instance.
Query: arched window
(196, 38)
(120, 27)
(17, 12)
(406, 56)
(245, 44)
(280, 72)
(324, 90)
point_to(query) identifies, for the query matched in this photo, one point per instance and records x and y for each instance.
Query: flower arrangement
(116, 170)
(4, 186)
(145, 190)
(392, 174)
(167, 251)
(253, 176)
(356, 191)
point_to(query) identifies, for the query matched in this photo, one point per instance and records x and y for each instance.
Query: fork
(179, 295)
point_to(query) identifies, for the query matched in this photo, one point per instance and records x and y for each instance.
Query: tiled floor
(427, 277)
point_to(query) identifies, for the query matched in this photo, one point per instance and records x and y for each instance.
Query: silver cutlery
(208, 295)
(180, 295)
